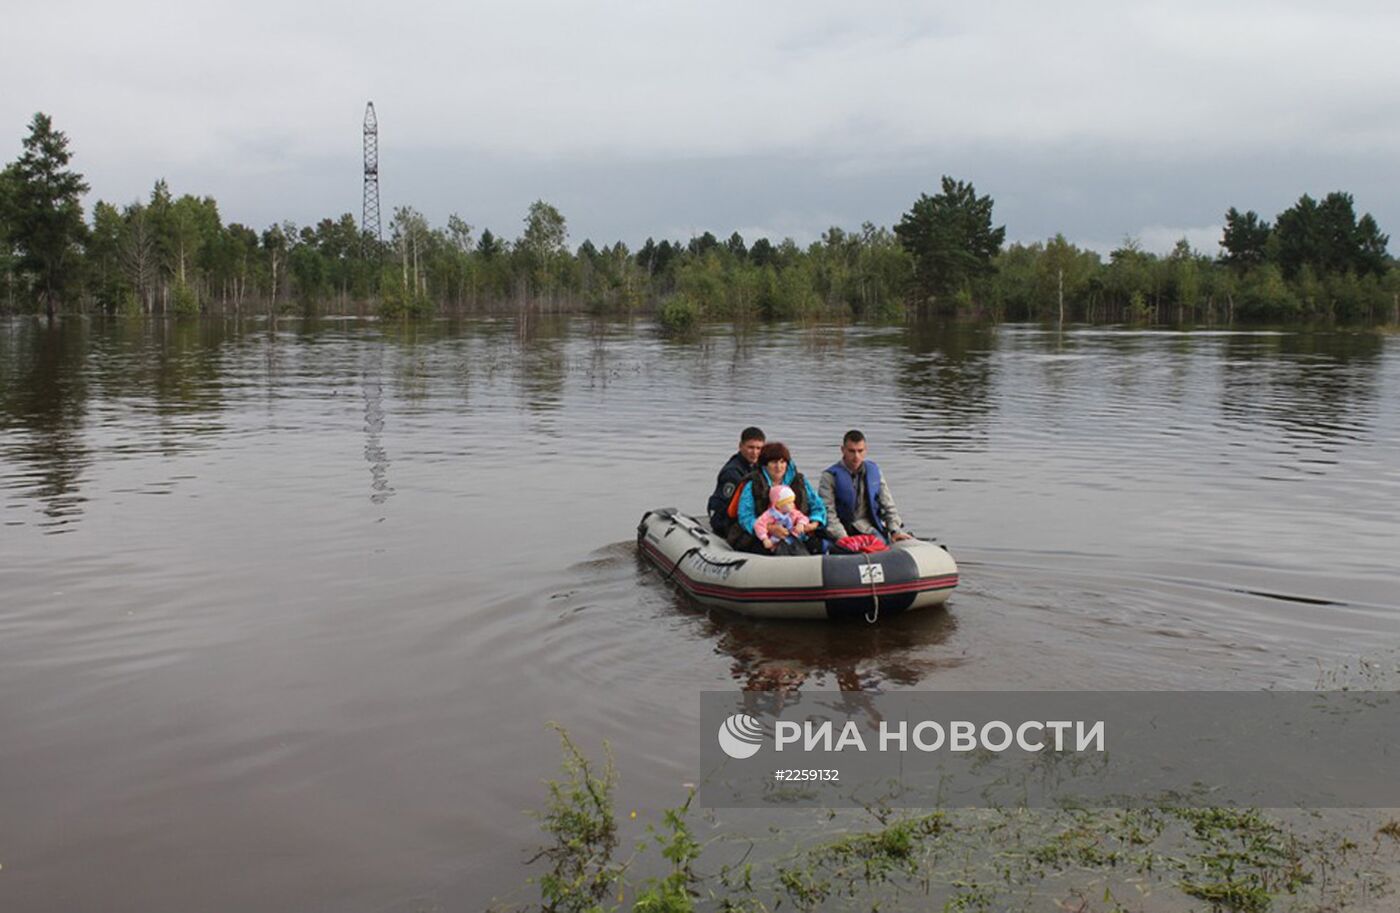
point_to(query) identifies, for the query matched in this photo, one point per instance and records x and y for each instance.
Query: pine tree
(1245, 239)
(950, 237)
(45, 212)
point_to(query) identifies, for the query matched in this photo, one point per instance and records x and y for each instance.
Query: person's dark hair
(775, 450)
(752, 433)
(853, 437)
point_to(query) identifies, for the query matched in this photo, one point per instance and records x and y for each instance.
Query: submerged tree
(950, 237)
(546, 232)
(410, 233)
(44, 212)
(105, 275)
(543, 246)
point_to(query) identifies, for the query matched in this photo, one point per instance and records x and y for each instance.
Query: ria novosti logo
(741, 736)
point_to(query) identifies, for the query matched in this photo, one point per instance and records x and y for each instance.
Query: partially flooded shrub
(582, 828)
(183, 301)
(675, 892)
(399, 299)
(679, 313)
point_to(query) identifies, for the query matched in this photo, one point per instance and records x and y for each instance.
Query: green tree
(702, 245)
(8, 257)
(104, 258)
(609, 278)
(1184, 278)
(1299, 236)
(495, 281)
(308, 269)
(1130, 281)
(1063, 272)
(546, 232)
(1245, 240)
(338, 247)
(193, 226)
(410, 232)
(276, 243)
(762, 253)
(657, 259)
(1372, 256)
(459, 233)
(542, 248)
(950, 237)
(882, 272)
(701, 279)
(1327, 238)
(1337, 244)
(139, 254)
(159, 212)
(45, 212)
(832, 259)
(1264, 293)
(243, 263)
(489, 245)
(1015, 289)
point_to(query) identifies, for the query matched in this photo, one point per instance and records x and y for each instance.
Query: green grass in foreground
(1086, 861)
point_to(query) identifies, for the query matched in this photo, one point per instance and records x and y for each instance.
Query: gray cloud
(1099, 120)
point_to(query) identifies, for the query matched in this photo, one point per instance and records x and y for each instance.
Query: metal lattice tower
(369, 221)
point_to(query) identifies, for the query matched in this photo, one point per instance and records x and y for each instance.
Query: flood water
(285, 609)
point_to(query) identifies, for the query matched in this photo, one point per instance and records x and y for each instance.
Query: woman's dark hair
(774, 450)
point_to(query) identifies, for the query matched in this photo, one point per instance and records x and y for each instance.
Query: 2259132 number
(808, 775)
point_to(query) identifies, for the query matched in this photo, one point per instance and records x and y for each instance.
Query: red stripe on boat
(802, 594)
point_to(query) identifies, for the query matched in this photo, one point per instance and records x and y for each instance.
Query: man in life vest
(857, 497)
(751, 441)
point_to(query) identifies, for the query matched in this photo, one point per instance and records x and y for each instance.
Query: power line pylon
(369, 221)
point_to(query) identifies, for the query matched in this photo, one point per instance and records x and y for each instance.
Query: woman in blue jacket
(775, 466)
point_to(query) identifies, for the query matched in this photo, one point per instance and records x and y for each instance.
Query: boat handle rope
(674, 567)
(869, 618)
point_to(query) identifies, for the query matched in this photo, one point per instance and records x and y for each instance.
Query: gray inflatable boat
(911, 575)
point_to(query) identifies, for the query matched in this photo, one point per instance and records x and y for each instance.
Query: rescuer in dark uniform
(751, 441)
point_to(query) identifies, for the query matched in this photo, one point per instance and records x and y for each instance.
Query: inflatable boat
(912, 574)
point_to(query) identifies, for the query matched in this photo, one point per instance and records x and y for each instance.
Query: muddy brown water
(285, 609)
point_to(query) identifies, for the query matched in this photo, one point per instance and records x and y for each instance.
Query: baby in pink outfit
(783, 513)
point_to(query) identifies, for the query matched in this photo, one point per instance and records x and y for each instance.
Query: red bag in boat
(865, 542)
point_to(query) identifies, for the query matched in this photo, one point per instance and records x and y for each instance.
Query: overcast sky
(1098, 120)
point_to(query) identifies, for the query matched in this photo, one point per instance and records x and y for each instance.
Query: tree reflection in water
(43, 407)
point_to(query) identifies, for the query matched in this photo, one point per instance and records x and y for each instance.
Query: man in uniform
(751, 441)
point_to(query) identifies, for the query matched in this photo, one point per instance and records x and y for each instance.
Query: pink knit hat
(780, 493)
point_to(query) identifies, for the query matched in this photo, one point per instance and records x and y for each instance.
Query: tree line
(168, 254)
